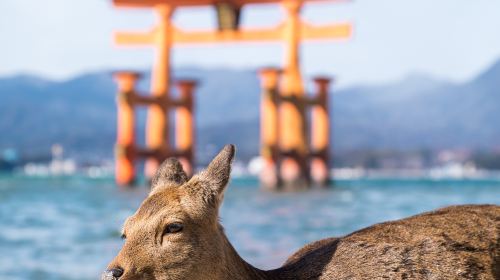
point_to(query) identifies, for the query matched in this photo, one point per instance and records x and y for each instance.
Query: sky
(447, 39)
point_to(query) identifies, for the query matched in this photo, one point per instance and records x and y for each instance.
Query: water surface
(69, 228)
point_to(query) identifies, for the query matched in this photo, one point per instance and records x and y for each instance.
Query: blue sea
(69, 227)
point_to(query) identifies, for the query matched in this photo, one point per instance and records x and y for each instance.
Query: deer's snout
(112, 274)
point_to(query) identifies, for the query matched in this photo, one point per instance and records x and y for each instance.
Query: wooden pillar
(157, 131)
(293, 141)
(320, 134)
(125, 144)
(269, 127)
(184, 134)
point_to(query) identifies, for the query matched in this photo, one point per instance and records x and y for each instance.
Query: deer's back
(460, 242)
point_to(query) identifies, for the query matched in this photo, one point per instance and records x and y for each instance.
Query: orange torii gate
(283, 127)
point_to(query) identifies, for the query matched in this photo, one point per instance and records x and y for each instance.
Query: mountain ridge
(414, 113)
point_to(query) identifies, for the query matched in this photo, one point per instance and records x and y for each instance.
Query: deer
(175, 234)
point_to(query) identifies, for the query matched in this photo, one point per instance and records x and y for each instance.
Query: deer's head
(175, 234)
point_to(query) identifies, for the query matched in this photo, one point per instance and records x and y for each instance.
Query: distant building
(56, 167)
(8, 160)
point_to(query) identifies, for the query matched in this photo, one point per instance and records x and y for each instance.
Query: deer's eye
(173, 228)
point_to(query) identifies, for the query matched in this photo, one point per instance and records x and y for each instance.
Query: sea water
(69, 227)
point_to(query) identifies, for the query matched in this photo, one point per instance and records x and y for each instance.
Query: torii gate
(284, 128)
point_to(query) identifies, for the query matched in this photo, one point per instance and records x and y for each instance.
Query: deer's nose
(117, 272)
(113, 273)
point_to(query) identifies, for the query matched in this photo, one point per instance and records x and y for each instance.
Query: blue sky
(448, 39)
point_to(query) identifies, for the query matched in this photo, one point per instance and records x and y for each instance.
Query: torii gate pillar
(292, 129)
(157, 130)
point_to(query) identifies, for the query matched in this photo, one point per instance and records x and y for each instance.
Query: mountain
(418, 112)
(428, 114)
(80, 113)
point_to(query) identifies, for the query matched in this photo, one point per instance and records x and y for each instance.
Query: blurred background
(414, 110)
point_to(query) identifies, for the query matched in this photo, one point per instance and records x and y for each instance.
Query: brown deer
(175, 234)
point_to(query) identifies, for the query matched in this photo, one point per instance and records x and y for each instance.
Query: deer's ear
(212, 182)
(170, 174)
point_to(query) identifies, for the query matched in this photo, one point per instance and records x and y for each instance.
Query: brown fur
(459, 242)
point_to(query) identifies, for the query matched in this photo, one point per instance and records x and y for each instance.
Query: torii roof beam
(308, 31)
(152, 3)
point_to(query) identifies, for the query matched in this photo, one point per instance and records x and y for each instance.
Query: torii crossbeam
(292, 31)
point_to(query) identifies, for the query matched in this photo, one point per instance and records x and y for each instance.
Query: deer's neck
(237, 268)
